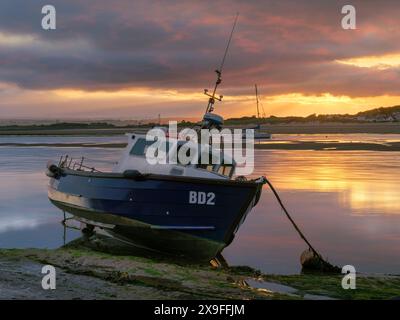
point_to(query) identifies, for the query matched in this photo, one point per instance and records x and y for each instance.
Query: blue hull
(188, 216)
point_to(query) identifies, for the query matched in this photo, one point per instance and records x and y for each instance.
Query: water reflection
(365, 181)
(27, 218)
(346, 202)
(339, 137)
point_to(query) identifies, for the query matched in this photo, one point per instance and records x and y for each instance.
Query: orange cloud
(381, 62)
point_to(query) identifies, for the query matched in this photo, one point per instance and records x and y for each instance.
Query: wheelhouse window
(225, 170)
(228, 170)
(140, 147)
(208, 167)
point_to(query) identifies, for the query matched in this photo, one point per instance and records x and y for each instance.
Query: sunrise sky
(136, 59)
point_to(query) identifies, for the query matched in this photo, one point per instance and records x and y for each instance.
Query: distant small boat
(258, 134)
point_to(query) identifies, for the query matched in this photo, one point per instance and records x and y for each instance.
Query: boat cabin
(134, 158)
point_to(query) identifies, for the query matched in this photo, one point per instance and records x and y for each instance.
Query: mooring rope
(327, 265)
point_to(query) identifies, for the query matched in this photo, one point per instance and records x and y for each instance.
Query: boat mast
(213, 97)
(258, 111)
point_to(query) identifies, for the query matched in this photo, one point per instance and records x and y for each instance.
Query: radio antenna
(213, 97)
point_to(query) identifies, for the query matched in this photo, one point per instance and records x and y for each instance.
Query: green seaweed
(367, 287)
(162, 277)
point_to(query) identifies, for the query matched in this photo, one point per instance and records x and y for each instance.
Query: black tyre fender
(53, 171)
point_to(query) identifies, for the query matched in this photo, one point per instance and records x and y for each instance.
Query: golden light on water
(377, 198)
(379, 62)
(356, 178)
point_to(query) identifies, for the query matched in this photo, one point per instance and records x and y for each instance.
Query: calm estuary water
(346, 202)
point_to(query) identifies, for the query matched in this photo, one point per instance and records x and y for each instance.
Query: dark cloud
(286, 46)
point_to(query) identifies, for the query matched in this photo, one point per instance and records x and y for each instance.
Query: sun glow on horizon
(140, 92)
(147, 102)
(299, 104)
(382, 62)
(326, 102)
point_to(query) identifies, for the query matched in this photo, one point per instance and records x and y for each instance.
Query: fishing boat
(186, 210)
(190, 210)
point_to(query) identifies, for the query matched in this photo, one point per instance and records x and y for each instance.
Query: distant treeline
(60, 126)
(80, 126)
(290, 119)
(383, 111)
(384, 114)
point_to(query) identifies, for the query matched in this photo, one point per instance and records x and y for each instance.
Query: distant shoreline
(332, 128)
(297, 128)
(265, 145)
(326, 128)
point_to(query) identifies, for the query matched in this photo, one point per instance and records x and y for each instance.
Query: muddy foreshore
(86, 270)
